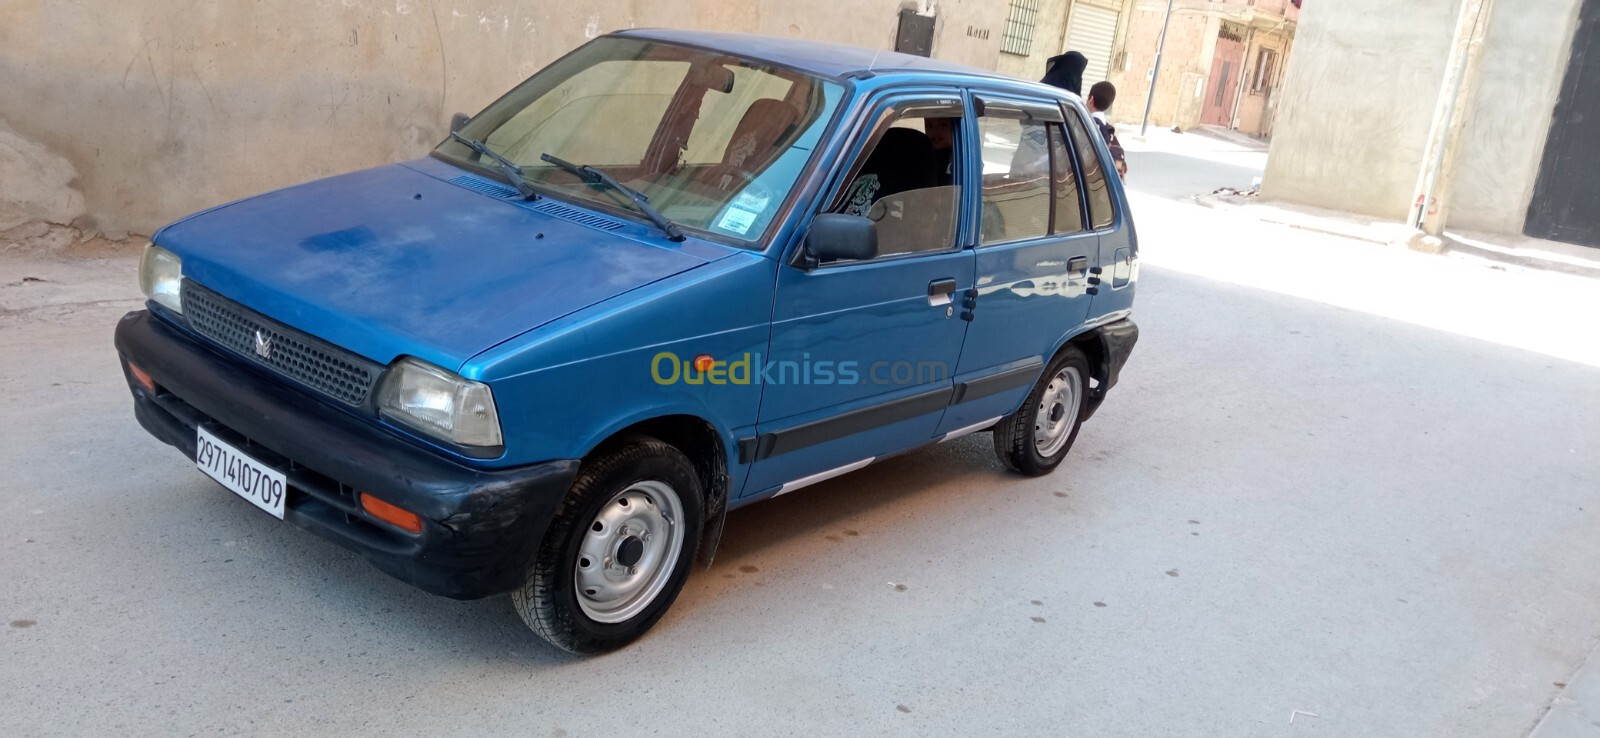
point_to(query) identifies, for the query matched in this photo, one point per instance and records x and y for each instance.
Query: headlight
(161, 276)
(440, 403)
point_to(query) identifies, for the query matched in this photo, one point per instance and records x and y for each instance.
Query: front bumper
(480, 526)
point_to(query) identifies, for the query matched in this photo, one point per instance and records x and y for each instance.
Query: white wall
(1525, 60)
(1359, 96)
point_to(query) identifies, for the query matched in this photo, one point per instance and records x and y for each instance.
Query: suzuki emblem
(263, 345)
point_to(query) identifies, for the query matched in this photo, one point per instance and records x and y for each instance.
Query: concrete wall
(164, 107)
(1525, 58)
(1358, 100)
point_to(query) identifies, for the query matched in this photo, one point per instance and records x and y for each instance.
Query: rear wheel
(618, 551)
(1035, 438)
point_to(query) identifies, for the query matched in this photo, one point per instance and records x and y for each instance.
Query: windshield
(714, 142)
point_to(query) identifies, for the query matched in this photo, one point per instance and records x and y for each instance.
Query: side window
(1016, 179)
(1069, 201)
(1094, 177)
(907, 182)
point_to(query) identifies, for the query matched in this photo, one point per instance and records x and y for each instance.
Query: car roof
(828, 60)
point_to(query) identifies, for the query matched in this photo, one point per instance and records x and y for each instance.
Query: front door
(1226, 68)
(862, 352)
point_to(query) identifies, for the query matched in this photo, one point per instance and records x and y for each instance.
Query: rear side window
(1094, 177)
(1016, 179)
(1069, 205)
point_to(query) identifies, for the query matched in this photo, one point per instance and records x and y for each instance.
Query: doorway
(1226, 66)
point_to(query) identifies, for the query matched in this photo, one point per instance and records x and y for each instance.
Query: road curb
(1215, 203)
(1395, 234)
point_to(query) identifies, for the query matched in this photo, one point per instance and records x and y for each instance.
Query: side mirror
(839, 237)
(458, 121)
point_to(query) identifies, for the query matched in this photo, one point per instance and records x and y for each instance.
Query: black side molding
(810, 434)
(994, 383)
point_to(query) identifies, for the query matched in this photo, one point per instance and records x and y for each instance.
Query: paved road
(1337, 478)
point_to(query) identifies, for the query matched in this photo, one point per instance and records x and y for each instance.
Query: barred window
(1020, 22)
(1266, 60)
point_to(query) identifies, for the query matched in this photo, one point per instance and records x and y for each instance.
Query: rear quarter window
(1101, 213)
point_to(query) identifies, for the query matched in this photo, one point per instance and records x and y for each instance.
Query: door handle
(1077, 265)
(941, 292)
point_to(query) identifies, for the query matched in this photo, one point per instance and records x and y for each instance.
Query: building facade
(1036, 30)
(1222, 64)
(1360, 99)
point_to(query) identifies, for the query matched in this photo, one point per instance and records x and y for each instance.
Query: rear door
(1036, 245)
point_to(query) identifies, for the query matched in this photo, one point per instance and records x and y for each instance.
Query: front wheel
(1034, 439)
(618, 551)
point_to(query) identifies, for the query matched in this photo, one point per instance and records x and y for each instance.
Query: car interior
(907, 186)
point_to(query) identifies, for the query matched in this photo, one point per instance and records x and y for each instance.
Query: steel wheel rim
(1057, 412)
(629, 552)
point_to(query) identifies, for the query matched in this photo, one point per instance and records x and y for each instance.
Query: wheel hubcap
(629, 551)
(1057, 412)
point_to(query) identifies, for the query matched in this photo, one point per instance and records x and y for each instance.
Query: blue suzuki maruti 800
(672, 274)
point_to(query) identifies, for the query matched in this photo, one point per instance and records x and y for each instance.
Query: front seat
(898, 188)
(902, 161)
(762, 134)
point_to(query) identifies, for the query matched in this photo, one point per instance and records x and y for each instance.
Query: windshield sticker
(752, 201)
(737, 220)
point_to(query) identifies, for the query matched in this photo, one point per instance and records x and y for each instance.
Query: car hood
(406, 259)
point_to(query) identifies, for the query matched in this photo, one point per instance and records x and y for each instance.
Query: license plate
(248, 478)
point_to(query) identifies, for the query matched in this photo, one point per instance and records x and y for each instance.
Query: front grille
(312, 362)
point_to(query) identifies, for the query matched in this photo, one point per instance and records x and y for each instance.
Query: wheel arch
(700, 440)
(1106, 345)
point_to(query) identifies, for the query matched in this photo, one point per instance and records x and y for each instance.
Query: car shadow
(893, 482)
(488, 632)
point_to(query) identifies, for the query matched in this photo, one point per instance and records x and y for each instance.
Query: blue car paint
(460, 278)
(587, 376)
(392, 261)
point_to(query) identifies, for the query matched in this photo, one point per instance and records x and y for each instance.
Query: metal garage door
(1091, 31)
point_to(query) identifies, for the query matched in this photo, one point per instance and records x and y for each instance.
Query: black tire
(1016, 436)
(548, 599)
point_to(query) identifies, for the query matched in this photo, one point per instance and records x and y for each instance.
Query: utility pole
(1155, 74)
(1430, 202)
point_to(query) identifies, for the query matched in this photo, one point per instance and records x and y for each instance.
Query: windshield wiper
(510, 168)
(593, 176)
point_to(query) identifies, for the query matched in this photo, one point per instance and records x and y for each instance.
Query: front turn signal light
(142, 377)
(398, 517)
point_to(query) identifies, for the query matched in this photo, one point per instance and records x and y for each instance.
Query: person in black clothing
(1066, 71)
